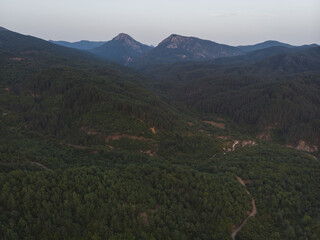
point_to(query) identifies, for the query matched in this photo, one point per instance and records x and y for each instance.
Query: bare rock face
(248, 143)
(128, 41)
(176, 48)
(303, 146)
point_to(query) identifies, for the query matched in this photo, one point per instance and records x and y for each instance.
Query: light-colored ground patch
(149, 152)
(216, 124)
(231, 145)
(16, 59)
(248, 143)
(303, 146)
(223, 137)
(153, 130)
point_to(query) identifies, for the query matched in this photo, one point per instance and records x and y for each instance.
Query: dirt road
(252, 214)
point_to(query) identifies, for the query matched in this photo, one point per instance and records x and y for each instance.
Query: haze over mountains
(81, 45)
(266, 44)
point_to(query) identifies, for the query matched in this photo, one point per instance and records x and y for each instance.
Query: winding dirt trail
(40, 165)
(252, 214)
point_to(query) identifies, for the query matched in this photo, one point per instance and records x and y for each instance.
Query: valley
(190, 139)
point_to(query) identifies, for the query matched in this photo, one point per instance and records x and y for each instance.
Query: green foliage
(284, 186)
(137, 202)
(264, 95)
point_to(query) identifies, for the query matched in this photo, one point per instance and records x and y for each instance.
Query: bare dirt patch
(223, 137)
(153, 130)
(216, 124)
(303, 146)
(16, 59)
(248, 143)
(149, 152)
(118, 136)
(190, 124)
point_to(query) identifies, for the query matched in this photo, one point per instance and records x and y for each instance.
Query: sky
(233, 22)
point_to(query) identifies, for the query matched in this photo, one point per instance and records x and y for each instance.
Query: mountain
(30, 64)
(178, 48)
(122, 49)
(31, 47)
(81, 45)
(261, 54)
(266, 44)
(304, 61)
(269, 61)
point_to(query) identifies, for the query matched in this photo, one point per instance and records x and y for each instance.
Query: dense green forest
(276, 98)
(93, 150)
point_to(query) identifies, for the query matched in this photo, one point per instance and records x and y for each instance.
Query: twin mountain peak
(126, 50)
(176, 48)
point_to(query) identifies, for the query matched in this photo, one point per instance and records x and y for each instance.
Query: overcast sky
(234, 22)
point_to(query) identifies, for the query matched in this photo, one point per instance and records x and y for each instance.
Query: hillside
(263, 45)
(71, 98)
(259, 55)
(278, 95)
(122, 49)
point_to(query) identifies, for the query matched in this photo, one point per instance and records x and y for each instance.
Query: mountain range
(266, 44)
(127, 51)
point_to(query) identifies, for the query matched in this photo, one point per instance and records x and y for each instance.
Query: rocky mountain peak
(123, 36)
(173, 40)
(127, 40)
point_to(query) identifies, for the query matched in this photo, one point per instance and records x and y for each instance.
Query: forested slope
(278, 96)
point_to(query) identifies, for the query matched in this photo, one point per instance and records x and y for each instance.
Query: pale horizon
(232, 22)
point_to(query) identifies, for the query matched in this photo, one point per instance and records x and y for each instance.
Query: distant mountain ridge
(2, 29)
(125, 50)
(122, 49)
(81, 45)
(178, 48)
(266, 44)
